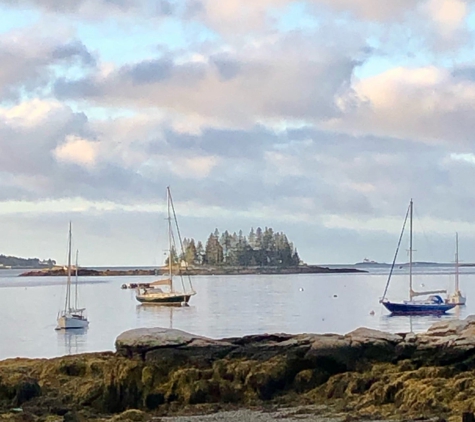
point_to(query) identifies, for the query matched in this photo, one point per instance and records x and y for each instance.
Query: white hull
(66, 322)
(457, 299)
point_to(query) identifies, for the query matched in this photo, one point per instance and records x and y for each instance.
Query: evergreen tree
(268, 240)
(258, 241)
(225, 242)
(213, 251)
(295, 258)
(173, 255)
(252, 238)
(200, 252)
(261, 248)
(191, 252)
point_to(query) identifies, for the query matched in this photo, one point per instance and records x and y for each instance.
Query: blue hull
(418, 309)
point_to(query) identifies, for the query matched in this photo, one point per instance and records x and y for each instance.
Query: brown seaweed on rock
(366, 373)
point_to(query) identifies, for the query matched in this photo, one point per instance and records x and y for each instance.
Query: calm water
(225, 306)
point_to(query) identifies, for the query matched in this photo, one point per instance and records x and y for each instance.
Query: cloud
(28, 62)
(449, 14)
(268, 82)
(97, 9)
(425, 104)
(77, 150)
(330, 127)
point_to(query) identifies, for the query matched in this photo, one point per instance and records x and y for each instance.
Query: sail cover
(164, 282)
(430, 292)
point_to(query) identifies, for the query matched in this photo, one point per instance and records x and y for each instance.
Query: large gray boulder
(444, 342)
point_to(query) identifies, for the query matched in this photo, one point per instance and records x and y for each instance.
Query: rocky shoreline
(158, 373)
(204, 270)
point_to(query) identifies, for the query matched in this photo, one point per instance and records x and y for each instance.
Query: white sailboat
(153, 292)
(457, 298)
(72, 316)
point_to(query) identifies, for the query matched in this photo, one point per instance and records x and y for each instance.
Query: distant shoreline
(207, 270)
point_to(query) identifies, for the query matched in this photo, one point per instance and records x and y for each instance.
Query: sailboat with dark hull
(153, 293)
(433, 305)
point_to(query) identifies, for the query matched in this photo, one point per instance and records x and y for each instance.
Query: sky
(318, 118)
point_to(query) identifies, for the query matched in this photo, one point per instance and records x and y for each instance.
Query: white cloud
(77, 151)
(31, 113)
(450, 15)
(423, 104)
(193, 167)
(467, 157)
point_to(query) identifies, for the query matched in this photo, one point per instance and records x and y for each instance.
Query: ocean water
(225, 306)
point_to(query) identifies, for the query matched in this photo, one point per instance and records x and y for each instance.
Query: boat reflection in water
(72, 342)
(162, 315)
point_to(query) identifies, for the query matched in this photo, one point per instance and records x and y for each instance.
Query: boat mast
(170, 264)
(182, 249)
(76, 282)
(456, 262)
(67, 305)
(410, 249)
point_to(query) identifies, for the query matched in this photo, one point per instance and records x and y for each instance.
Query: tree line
(13, 261)
(259, 248)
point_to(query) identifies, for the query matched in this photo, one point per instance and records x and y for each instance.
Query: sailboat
(71, 316)
(433, 305)
(153, 292)
(456, 297)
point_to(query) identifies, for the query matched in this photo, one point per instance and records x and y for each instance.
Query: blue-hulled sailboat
(433, 305)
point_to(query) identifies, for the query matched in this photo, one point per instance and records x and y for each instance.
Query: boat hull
(69, 322)
(418, 309)
(172, 300)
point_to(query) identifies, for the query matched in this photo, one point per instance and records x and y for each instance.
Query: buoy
(335, 296)
(371, 313)
(301, 289)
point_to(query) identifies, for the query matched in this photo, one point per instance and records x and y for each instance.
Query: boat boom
(430, 292)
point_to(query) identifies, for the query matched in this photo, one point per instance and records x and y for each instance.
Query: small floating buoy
(371, 313)
(301, 289)
(335, 295)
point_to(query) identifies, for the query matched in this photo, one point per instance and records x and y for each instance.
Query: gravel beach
(288, 414)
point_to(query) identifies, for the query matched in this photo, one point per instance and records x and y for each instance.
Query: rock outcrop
(367, 373)
(199, 270)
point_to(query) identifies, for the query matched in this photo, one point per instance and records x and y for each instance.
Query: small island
(261, 252)
(203, 270)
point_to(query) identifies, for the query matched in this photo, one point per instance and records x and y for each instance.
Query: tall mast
(76, 282)
(456, 262)
(410, 248)
(170, 264)
(67, 305)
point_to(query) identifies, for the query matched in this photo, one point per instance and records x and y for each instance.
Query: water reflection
(72, 341)
(160, 315)
(225, 306)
